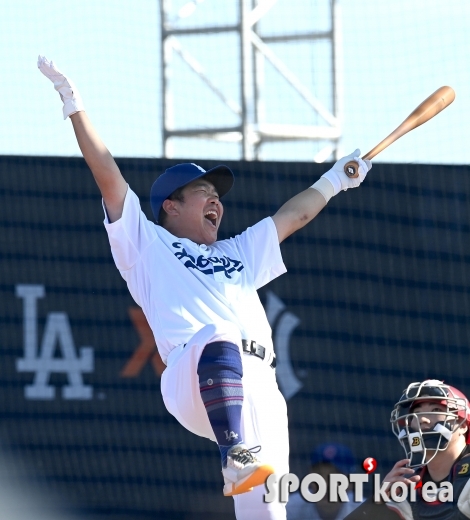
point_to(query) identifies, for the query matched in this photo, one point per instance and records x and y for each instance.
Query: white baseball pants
(264, 411)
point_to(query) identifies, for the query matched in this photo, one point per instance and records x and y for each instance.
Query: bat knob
(351, 169)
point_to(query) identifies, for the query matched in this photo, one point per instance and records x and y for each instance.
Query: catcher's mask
(406, 424)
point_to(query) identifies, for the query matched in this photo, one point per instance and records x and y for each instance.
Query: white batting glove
(68, 92)
(340, 180)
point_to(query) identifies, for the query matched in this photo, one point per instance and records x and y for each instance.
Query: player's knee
(221, 357)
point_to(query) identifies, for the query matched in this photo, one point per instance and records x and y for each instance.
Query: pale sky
(394, 55)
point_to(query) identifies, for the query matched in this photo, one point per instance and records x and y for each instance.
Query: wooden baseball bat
(429, 108)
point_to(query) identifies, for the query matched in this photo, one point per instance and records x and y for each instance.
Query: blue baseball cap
(178, 176)
(337, 454)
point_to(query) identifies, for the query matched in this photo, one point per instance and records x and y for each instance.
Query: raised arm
(107, 175)
(305, 206)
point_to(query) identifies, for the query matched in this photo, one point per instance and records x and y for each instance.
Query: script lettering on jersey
(209, 265)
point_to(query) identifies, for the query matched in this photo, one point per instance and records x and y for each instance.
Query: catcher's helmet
(414, 440)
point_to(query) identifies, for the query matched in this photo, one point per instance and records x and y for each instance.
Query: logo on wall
(57, 332)
(146, 351)
(283, 324)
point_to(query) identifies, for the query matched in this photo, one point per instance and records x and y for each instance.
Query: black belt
(253, 348)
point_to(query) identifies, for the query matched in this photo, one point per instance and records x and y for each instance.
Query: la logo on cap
(197, 166)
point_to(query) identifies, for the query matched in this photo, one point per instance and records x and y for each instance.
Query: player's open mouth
(211, 216)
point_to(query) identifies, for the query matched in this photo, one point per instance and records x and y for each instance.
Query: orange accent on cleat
(258, 477)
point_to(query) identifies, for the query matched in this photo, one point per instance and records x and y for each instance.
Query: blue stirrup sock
(220, 383)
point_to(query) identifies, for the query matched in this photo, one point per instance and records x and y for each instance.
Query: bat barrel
(429, 108)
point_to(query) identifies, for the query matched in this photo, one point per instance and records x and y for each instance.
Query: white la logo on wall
(283, 323)
(43, 363)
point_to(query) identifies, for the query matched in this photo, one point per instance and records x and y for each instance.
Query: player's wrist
(72, 106)
(325, 187)
(71, 98)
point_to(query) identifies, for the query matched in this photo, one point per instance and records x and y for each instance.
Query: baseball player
(199, 297)
(431, 421)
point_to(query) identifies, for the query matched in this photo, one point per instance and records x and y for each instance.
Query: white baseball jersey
(182, 286)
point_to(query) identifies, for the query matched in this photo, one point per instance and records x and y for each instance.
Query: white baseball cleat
(243, 471)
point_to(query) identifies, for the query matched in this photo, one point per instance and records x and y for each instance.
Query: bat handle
(351, 169)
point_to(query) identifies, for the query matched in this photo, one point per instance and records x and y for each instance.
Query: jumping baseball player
(199, 297)
(431, 421)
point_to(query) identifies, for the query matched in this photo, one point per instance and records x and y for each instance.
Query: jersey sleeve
(260, 247)
(131, 234)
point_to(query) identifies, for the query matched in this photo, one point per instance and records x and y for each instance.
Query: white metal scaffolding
(251, 129)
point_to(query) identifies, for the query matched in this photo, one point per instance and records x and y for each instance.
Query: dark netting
(376, 296)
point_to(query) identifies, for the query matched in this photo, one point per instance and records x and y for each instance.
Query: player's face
(201, 212)
(428, 415)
